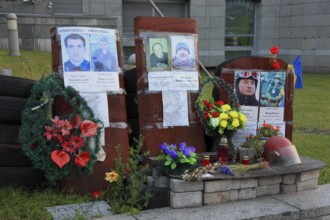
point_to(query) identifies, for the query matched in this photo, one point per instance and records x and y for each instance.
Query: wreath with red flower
(62, 146)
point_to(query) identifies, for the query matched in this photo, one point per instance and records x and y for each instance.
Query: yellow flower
(226, 107)
(223, 116)
(223, 123)
(235, 123)
(111, 176)
(233, 114)
(242, 117)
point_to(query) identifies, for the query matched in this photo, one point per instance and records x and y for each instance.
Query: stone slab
(88, 210)
(312, 203)
(262, 208)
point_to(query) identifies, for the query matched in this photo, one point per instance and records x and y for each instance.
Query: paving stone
(308, 184)
(289, 179)
(256, 209)
(312, 203)
(248, 193)
(220, 197)
(185, 200)
(88, 210)
(177, 185)
(162, 182)
(312, 174)
(217, 185)
(244, 183)
(268, 190)
(269, 180)
(285, 189)
(6, 72)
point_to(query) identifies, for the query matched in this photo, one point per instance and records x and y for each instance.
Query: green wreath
(220, 83)
(62, 146)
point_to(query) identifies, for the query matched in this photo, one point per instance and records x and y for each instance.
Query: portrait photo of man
(157, 53)
(158, 58)
(183, 54)
(246, 87)
(75, 47)
(104, 58)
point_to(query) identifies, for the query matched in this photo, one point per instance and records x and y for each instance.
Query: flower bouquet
(68, 141)
(177, 160)
(268, 130)
(221, 117)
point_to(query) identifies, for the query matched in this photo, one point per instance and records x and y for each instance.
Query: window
(239, 30)
(132, 9)
(68, 7)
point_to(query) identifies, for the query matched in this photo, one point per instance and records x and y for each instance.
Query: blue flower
(173, 154)
(164, 148)
(188, 150)
(183, 146)
(224, 170)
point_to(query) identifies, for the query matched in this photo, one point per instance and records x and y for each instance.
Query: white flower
(215, 122)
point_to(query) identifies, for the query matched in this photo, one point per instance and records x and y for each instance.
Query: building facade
(227, 28)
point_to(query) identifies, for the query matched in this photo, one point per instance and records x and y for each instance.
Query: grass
(311, 129)
(31, 64)
(17, 203)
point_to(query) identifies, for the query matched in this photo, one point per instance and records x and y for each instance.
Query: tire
(11, 155)
(11, 109)
(9, 133)
(15, 87)
(27, 177)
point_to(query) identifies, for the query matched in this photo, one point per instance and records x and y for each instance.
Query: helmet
(279, 150)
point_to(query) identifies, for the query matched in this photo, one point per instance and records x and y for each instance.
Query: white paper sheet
(175, 108)
(160, 81)
(98, 102)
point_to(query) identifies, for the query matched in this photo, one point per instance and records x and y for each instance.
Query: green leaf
(173, 166)
(168, 163)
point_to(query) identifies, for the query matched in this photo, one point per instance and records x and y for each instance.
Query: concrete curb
(309, 204)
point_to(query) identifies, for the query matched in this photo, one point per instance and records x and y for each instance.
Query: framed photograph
(158, 53)
(184, 54)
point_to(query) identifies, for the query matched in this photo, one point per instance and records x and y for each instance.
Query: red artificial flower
(67, 147)
(274, 50)
(88, 128)
(49, 133)
(215, 114)
(82, 159)
(96, 194)
(76, 141)
(210, 105)
(219, 103)
(65, 127)
(76, 121)
(205, 103)
(56, 121)
(206, 114)
(276, 64)
(60, 158)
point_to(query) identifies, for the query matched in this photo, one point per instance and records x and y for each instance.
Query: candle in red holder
(206, 161)
(222, 151)
(245, 160)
